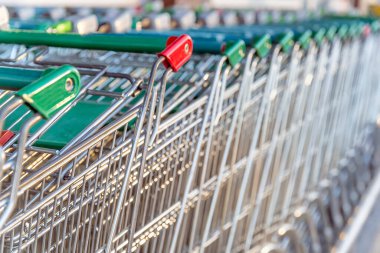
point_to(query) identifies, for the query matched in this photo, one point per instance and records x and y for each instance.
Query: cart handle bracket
(262, 46)
(177, 52)
(53, 90)
(5, 136)
(235, 52)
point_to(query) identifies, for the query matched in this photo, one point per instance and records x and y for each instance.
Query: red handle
(177, 52)
(367, 30)
(5, 137)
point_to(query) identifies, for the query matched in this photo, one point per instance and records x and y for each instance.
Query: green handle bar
(235, 52)
(139, 43)
(113, 42)
(43, 91)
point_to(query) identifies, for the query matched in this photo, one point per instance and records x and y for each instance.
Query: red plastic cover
(5, 137)
(177, 52)
(367, 30)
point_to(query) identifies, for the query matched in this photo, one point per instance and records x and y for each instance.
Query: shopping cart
(33, 191)
(34, 89)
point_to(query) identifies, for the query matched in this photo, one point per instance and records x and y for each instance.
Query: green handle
(331, 32)
(286, 41)
(263, 46)
(53, 89)
(360, 29)
(375, 26)
(352, 30)
(343, 31)
(235, 52)
(319, 35)
(304, 39)
(113, 42)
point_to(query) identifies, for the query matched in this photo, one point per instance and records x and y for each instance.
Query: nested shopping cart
(267, 78)
(167, 136)
(294, 173)
(345, 90)
(300, 141)
(107, 101)
(272, 77)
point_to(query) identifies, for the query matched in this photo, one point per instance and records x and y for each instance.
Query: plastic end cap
(178, 51)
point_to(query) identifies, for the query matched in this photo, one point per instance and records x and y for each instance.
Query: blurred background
(157, 15)
(338, 5)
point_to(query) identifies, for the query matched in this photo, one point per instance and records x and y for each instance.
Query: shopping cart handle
(366, 30)
(286, 41)
(331, 32)
(356, 30)
(49, 92)
(343, 31)
(177, 52)
(235, 52)
(5, 136)
(304, 38)
(112, 42)
(375, 26)
(262, 45)
(319, 35)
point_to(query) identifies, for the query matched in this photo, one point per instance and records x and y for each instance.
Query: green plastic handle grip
(343, 31)
(112, 42)
(304, 39)
(235, 52)
(331, 33)
(286, 41)
(319, 35)
(262, 46)
(53, 89)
